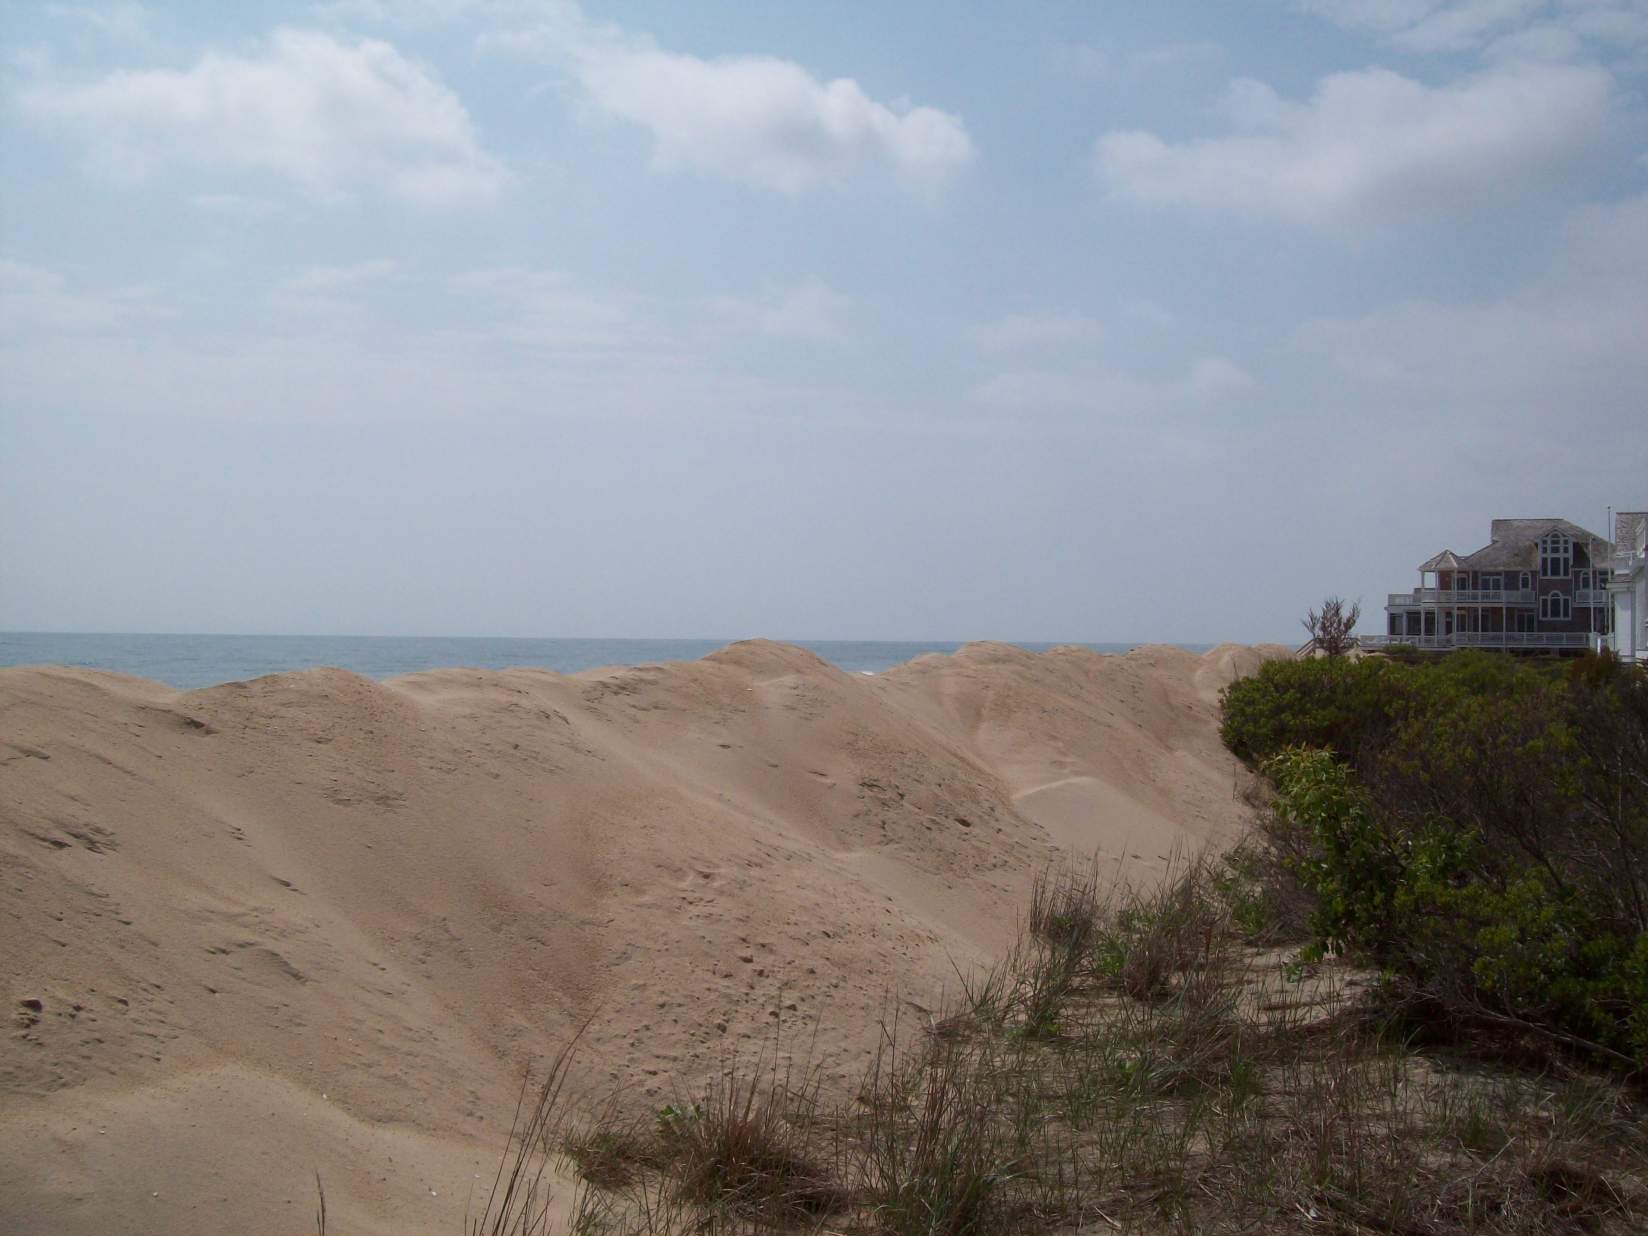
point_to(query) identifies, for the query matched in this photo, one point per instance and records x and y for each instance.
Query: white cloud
(332, 295)
(1209, 380)
(1566, 348)
(353, 10)
(36, 299)
(544, 311)
(1431, 25)
(333, 278)
(1373, 145)
(331, 116)
(1152, 312)
(811, 311)
(1461, 25)
(1024, 331)
(758, 120)
(232, 203)
(1382, 15)
(517, 343)
(410, 12)
(1214, 377)
(1128, 67)
(770, 123)
(1036, 389)
(1538, 42)
(1624, 22)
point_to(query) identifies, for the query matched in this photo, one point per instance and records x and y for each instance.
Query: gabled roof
(1514, 545)
(1533, 529)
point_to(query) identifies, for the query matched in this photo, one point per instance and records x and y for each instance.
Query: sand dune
(315, 921)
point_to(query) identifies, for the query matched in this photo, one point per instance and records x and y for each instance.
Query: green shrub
(1476, 826)
(1329, 702)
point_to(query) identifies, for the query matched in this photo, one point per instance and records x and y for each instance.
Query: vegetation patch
(1144, 1061)
(1475, 827)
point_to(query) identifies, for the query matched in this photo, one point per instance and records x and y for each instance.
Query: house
(1538, 585)
(1628, 587)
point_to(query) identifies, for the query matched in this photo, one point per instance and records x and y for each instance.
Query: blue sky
(1059, 321)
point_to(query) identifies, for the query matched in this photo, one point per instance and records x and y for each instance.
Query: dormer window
(1556, 556)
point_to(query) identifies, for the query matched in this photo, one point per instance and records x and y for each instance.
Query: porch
(1530, 640)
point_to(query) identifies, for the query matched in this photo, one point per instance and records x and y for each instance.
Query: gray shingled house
(1538, 585)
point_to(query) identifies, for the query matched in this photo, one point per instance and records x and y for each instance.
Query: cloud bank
(757, 120)
(330, 116)
(1373, 146)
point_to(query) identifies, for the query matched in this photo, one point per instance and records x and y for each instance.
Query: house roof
(1447, 560)
(1533, 529)
(1513, 545)
(1630, 532)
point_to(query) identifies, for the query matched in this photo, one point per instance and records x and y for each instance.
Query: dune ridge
(314, 920)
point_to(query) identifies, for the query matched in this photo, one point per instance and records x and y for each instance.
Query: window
(1492, 583)
(1556, 556)
(1582, 579)
(1527, 581)
(1555, 607)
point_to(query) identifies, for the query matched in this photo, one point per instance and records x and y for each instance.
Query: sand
(318, 923)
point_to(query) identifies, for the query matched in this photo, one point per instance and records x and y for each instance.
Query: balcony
(1591, 596)
(1464, 596)
(1482, 639)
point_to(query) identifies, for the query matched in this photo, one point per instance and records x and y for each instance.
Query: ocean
(190, 661)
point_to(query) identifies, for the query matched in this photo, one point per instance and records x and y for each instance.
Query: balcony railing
(1484, 639)
(1462, 596)
(1484, 596)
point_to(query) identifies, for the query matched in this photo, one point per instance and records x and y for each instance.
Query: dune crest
(363, 907)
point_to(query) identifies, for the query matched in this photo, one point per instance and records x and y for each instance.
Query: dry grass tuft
(1136, 1064)
(750, 1147)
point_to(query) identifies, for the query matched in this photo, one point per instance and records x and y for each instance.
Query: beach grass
(1144, 1060)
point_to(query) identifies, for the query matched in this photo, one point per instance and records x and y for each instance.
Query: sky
(1058, 321)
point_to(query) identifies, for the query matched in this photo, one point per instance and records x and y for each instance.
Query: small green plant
(675, 1119)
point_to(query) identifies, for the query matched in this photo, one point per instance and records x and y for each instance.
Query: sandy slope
(317, 922)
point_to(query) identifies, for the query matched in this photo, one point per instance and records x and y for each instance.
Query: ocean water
(190, 661)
